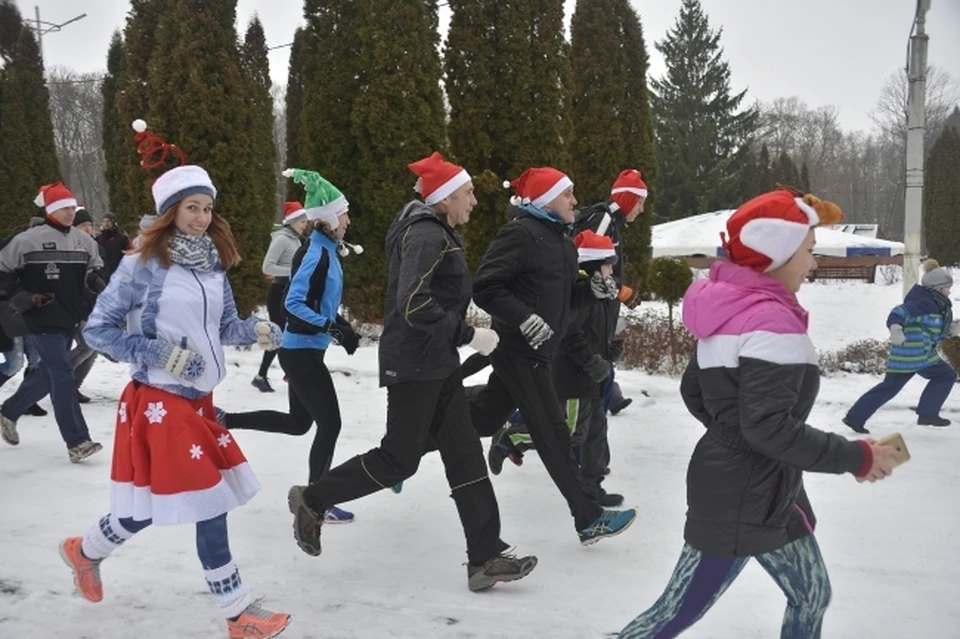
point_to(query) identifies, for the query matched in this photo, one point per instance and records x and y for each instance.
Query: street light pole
(44, 27)
(916, 124)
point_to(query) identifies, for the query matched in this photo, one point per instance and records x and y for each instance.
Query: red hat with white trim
(293, 211)
(628, 189)
(595, 248)
(437, 178)
(766, 231)
(53, 197)
(540, 185)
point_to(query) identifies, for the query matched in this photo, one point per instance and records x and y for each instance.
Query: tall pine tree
(294, 107)
(256, 66)
(215, 130)
(699, 127)
(28, 155)
(941, 195)
(498, 129)
(116, 133)
(397, 118)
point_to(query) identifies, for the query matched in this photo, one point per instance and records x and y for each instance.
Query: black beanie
(81, 217)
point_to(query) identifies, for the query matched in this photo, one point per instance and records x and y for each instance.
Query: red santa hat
(628, 189)
(540, 185)
(595, 248)
(293, 211)
(53, 197)
(766, 231)
(437, 178)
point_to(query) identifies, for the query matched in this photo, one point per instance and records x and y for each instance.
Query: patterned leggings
(699, 580)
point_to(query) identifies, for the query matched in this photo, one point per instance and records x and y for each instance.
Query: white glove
(287, 173)
(896, 334)
(604, 287)
(535, 330)
(484, 340)
(181, 362)
(269, 335)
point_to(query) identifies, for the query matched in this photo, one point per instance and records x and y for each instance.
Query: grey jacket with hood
(428, 292)
(283, 246)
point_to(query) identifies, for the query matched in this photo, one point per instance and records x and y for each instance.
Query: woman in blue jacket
(916, 327)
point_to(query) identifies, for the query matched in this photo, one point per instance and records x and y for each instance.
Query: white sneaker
(8, 431)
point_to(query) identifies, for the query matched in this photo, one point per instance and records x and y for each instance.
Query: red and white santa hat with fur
(765, 232)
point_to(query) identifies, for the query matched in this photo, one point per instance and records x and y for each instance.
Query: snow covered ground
(893, 548)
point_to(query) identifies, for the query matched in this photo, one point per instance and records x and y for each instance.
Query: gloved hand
(25, 300)
(597, 368)
(604, 287)
(616, 350)
(484, 340)
(269, 335)
(535, 330)
(344, 335)
(896, 334)
(181, 362)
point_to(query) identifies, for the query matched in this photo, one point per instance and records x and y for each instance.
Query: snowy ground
(893, 548)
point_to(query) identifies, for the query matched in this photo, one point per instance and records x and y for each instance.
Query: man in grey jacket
(428, 292)
(45, 275)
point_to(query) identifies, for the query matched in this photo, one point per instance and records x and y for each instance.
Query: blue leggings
(699, 580)
(213, 545)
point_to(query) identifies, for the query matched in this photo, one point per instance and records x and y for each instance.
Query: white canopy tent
(700, 235)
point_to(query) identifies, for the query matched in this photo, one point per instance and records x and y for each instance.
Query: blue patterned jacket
(925, 316)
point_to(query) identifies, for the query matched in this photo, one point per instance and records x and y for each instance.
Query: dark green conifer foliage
(699, 127)
(294, 108)
(941, 198)
(507, 83)
(116, 133)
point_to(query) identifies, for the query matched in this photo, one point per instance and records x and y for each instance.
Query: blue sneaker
(337, 516)
(397, 488)
(610, 523)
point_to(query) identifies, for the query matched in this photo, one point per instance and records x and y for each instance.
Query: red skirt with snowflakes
(172, 462)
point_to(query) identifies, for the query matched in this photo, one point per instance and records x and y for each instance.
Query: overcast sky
(825, 51)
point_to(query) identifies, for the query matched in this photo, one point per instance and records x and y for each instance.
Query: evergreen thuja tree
(256, 68)
(215, 132)
(498, 129)
(698, 122)
(397, 118)
(116, 135)
(294, 107)
(132, 102)
(941, 198)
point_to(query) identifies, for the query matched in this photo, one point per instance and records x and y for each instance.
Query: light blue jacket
(167, 306)
(313, 299)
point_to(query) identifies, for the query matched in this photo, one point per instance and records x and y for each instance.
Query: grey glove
(954, 328)
(896, 334)
(604, 287)
(535, 330)
(179, 361)
(597, 368)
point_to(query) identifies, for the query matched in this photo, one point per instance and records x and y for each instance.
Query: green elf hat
(323, 200)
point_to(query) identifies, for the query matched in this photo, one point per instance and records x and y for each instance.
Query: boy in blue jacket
(916, 327)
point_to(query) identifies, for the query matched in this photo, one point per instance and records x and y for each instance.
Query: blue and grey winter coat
(925, 316)
(176, 305)
(316, 288)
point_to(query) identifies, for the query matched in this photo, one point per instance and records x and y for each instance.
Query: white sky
(825, 51)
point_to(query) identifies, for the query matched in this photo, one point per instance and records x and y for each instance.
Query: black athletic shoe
(933, 420)
(857, 427)
(615, 410)
(611, 500)
(36, 411)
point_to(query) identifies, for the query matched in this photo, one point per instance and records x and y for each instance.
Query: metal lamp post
(916, 122)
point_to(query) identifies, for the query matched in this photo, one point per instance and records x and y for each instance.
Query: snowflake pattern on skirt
(173, 465)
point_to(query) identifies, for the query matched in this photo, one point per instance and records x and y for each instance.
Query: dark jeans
(53, 376)
(415, 411)
(313, 398)
(591, 436)
(517, 382)
(275, 311)
(941, 376)
(81, 357)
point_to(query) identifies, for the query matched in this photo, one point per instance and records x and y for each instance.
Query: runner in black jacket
(526, 282)
(428, 291)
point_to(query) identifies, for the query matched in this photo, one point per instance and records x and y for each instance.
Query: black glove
(344, 334)
(597, 368)
(96, 282)
(616, 350)
(25, 300)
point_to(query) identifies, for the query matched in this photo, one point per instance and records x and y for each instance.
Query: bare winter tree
(279, 92)
(76, 107)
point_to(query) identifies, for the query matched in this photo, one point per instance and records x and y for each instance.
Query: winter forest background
(505, 91)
